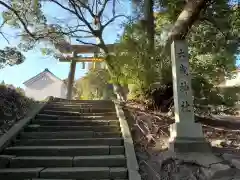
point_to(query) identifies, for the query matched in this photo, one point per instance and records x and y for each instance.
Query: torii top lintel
(81, 49)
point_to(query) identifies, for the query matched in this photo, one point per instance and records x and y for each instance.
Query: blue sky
(35, 62)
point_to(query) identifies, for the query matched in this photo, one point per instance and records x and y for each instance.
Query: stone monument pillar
(185, 134)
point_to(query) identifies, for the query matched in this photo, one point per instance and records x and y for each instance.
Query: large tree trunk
(71, 80)
(119, 90)
(186, 19)
(149, 18)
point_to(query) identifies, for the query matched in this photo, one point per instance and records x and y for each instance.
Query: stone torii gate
(74, 50)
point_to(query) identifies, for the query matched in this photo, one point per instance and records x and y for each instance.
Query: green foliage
(10, 56)
(212, 49)
(13, 106)
(95, 85)
(30, 9)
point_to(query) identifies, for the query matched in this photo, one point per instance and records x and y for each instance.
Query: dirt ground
(150, 132)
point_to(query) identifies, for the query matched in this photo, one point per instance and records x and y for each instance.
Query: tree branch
(4, 37)
(65, 8)
(103, 8)
(112, 19)
(87, 42)
(85, 7)
(187, 18)
(18, 16)
(81, 17)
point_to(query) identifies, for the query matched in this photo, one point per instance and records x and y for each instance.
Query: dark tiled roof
(38, 76)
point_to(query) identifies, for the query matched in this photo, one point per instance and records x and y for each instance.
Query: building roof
(39, 76)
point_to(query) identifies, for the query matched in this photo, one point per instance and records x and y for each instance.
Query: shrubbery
(13, 106)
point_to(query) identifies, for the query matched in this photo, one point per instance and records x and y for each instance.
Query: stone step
(19, 173)
(63, 173)
(77, 117)
(38, 128)
(77, 122)
(40, 161)
(70, 142)
(49, 179)
(71, 179)
(78, 112)
(69, 134)
(77, 161)
(4, 160)
(82, 101)
(82, 109)
(63, 150)
(84, 105)
(85, 173)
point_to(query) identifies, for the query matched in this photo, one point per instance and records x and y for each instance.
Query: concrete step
(40, 161)
(63, 150)
(78, 112)
(77, 117)
(100, 161)
(69, 134)
(49, 179)
(19, 173)
(5, 160)
(77, 122)
(80, 104)
(37, 128)
(86, 109)
(85, 173)
(71, 179)
(83, 105)
(70, 142)
(81, 101)
(63, 173)
(77, 161)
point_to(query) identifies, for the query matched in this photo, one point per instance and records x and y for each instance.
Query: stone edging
(10, 135)
(132, 163)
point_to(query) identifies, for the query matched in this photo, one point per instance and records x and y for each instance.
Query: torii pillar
(185, 134)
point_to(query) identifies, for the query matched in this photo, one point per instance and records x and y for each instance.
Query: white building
(45, 84)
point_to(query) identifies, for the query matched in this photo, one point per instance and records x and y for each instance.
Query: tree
(10, 56)
(211, 54)
(95, 85)
(147, 7)
(85, 17)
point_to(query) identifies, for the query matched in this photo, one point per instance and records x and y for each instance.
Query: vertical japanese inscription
(184, 87)
(183, 70)
(183, 84)
(185, 106)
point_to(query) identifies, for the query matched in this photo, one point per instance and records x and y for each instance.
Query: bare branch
(84, 6)
(87, 43)
(4, 37)
(112, 19)
(64, 7)
(103, 8)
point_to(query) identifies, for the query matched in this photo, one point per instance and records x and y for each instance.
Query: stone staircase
(68, 140)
